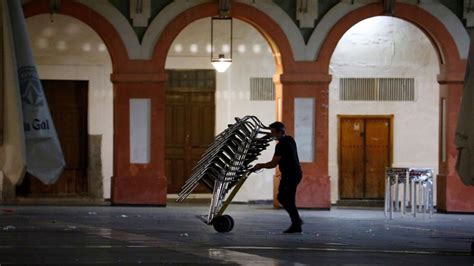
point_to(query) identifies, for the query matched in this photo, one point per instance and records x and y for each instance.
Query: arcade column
(139, 177)
(452, 194)
(302, 105)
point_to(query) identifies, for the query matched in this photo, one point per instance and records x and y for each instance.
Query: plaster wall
(389, 47)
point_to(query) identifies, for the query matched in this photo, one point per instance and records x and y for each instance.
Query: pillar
(314, 189)
(138, 183)
(452, 194)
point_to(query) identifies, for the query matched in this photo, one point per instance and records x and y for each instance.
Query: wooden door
(67, 102)
(364, 153)
(190, 123)
(377, 156)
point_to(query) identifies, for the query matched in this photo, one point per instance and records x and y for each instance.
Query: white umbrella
(12, 150)
(44, 157)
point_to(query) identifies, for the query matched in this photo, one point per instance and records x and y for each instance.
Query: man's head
(278, 129)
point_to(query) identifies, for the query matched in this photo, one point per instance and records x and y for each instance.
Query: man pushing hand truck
(225, 166)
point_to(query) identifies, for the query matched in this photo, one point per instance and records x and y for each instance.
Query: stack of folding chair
(225, 166)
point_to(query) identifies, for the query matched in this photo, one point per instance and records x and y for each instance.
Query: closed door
(190, 123)
(364, 153)
(67, 102)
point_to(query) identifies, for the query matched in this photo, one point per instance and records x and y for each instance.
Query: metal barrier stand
(418, 180)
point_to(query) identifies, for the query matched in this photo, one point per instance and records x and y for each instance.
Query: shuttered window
(262, 89)
(377, 89)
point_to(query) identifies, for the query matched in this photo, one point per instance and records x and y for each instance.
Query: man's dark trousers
(287, 194)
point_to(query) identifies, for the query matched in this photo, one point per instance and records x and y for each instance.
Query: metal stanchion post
(405, 188)
(419, 191)
(387, 186)
(397, 190)
(413, 197)
(423, 197)
(431, 198)
(390, 199)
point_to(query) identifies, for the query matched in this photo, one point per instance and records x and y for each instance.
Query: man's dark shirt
(289, 163)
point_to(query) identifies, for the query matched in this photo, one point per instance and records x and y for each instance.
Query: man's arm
(271, 164)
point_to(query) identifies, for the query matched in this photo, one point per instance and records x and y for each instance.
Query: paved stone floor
(173, 235)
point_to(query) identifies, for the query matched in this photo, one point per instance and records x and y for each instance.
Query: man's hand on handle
(257, 167)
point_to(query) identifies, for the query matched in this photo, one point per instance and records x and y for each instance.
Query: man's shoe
(293, 229)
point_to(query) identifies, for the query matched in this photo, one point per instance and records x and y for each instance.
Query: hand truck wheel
(223, 224)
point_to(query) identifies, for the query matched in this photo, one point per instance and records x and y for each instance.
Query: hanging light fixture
(221, 38)
(54, 7)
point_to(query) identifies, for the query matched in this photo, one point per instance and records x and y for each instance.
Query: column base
(314, 192)
(453, 196)
(138, 191)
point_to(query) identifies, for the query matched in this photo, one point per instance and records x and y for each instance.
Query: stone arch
(444, 43)
(452, 195)
(121, 23)
(269, 29)
(99, 24)
(440, 12)
(172, 10)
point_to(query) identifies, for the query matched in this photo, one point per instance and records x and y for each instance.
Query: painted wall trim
(301, 51)
(287, 25)
(172, 10)
(327, 23)
(120, 23)
(160, 22)
(452, 24)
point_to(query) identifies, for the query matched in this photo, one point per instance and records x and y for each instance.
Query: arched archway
(263, 23)
(79, 66)
(451, 78)
(213, 106)
(145, 183)
(132, 183)
(430, 25)
(72, 61)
